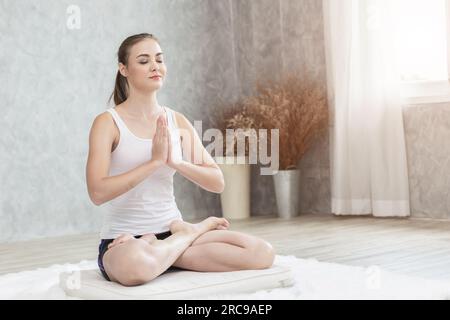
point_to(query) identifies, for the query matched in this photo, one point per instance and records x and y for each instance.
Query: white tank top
(150, 206)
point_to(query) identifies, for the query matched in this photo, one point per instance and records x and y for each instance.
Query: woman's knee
(140, 273)
(131, 263)
(262, 254)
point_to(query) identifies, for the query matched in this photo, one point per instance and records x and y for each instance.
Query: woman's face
(145, 60)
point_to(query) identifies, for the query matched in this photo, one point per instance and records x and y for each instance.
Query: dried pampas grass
(297, 108)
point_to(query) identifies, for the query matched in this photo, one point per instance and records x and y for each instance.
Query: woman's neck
(142, 105)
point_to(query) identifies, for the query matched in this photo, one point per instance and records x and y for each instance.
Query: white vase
(235, 198)
(286, 183)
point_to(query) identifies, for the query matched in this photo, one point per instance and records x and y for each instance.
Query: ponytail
(120, 92)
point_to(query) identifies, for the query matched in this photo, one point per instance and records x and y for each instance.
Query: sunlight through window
(422, 40)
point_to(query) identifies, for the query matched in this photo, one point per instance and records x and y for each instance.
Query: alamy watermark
(373, 280)
(242, 146)
(73, 21)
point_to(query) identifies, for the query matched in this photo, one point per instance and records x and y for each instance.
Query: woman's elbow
(96, 198)
(97, 202)
(220, 186)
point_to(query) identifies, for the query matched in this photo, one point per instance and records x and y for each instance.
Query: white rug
(313, 280)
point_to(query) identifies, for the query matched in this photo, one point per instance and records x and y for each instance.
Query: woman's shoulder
(180, 119)
(104, 122)
(104, 118)
(175, 112)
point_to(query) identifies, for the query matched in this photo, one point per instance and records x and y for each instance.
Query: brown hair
(120, 92)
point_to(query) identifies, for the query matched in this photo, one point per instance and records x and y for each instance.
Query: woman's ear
(123, 69)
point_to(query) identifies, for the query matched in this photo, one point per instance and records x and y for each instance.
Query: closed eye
(144, 62)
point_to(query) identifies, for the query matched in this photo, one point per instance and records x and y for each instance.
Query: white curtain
(368, 158)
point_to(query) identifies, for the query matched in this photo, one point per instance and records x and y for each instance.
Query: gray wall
(427, 130)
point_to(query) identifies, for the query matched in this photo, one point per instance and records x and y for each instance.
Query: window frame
(421, 92)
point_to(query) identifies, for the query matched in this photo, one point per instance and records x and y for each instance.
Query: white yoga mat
(312, 280)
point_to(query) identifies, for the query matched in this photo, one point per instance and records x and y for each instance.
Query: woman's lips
(155, 78)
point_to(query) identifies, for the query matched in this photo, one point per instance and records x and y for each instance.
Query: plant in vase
(299, 110)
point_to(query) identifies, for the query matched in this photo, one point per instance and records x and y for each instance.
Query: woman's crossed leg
(205, 246)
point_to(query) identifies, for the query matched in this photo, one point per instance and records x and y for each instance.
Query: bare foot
(149, 237)
(120, 239)
(211, 223)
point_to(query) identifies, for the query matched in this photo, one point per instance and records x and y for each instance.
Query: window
(423, 49)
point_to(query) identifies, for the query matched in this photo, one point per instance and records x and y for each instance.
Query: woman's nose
(153, 65)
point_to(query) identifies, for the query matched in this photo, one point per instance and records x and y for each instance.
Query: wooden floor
(414, 247)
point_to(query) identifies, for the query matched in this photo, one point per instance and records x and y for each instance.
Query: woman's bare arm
(101, 187)
(203, 171)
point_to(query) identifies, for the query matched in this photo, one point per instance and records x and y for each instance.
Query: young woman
(134, 151)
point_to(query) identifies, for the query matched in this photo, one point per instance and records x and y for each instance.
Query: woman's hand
(172, 160)
(120, 239)
(160, 147)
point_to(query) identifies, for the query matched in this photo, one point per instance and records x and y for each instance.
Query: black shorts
(103, 247)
